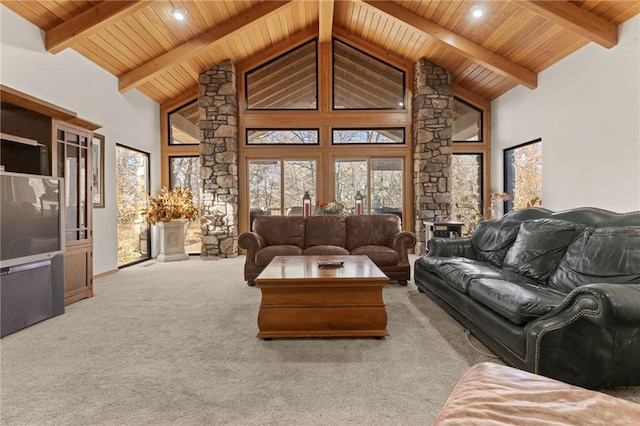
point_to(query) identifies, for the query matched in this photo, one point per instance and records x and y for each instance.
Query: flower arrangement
(170, 204)
(333, 207)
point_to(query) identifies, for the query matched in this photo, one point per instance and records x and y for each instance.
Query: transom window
(183, 125)
(467, 122)
(368, 136)
(287, 82)
(361, 81)
(282, 137)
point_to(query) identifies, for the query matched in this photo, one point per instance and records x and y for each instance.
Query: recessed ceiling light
(477, 11)
(179, 14)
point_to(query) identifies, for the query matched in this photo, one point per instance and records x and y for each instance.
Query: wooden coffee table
(299, 299)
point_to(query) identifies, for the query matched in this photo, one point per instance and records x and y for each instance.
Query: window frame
(148, 192)
(507, 176)
(333, 84)
(481, 183)
(169, 126)
(271, 61)
(480, 131)
(377, 129)
(253, 129)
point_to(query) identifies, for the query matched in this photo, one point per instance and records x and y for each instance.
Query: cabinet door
(73, 163)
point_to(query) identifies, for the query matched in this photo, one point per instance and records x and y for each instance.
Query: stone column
(432, 142)
(218, 100)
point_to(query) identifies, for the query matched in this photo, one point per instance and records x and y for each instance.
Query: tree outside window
(466, 191)
(523, 175)
(185, 172)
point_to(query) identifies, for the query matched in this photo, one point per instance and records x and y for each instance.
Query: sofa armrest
(595, 329)
(450, 247)
(609, 305)
(401, 243)
(618, 305)
(251, 242)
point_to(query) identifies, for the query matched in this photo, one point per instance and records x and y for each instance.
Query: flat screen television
(31, 218)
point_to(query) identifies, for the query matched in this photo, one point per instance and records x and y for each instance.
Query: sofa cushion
(459, 271)
(380, 255)
(266, 255)
(600, 255)
(520, 303)
(492, 239)
(371, 230)
(325, 230)
(280, 230)
(325, 250)
(539, 246)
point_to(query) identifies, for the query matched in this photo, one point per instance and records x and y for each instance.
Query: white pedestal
(172, 241)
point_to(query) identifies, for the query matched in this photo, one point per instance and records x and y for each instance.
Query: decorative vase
(172, 240)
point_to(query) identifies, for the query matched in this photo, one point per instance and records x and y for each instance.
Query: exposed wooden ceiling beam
(326, 20)
(87, 23)
(192, 47)
(463, 46)
(578, 20)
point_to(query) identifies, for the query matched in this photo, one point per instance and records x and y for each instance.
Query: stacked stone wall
(432, 138)
(218, 101)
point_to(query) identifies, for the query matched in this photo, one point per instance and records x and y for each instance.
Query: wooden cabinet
(68, 141)
(72, 161)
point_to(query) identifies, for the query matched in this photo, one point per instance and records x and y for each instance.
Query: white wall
(71, 81)
(586, 109)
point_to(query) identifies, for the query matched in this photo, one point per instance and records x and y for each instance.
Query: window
(333, 147)
(132, 188)
(282, 137)
(276, 187)
(466, 190)
(383, 176)
(361, 81)
(183, 125)
(371, 136)
(467, 122)
(523, 175)
(287, 82)
(185, 172)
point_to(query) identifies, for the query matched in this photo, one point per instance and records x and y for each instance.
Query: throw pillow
(600, 255)
(492, 239)
(540, 245)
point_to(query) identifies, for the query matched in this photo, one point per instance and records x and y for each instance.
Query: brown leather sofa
(378, 236)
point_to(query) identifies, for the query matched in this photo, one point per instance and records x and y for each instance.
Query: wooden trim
(88, 23)
(167, 150)
(290, 43)
(104, 274)
(461, 45)
(17, 98)
(573, 18)
(372, 49)
(484, 147)
(193, 47)
(325, 20)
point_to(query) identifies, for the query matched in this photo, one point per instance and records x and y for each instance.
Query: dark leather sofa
(557, 294)
(378, 236)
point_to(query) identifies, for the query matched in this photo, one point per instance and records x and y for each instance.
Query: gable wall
(586, 109)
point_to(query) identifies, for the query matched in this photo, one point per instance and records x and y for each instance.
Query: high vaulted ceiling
(141, 44)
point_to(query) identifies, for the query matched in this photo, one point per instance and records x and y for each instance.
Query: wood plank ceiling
(141, 44)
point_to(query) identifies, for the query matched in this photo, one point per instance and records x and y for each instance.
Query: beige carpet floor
(174, 344)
